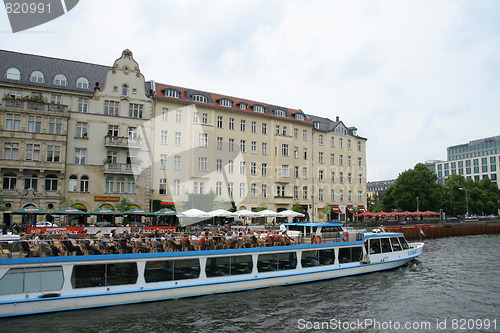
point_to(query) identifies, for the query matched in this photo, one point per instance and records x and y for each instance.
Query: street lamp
(466, 200)
(417, 205)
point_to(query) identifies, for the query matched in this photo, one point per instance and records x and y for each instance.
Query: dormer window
(171, 93)
(258, 108)
(243, 106)
(226, 102)
(299, 116)
(281, 113)
(199, 98)
(37, 77)
(13, 74)
(60, 80)
(82, 82)
(316, 124)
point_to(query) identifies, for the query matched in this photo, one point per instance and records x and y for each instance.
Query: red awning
(349, 209)
(336, 209)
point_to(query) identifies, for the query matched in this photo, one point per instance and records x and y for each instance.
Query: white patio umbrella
(221, 213)
(268, 213)
(192, 216)
(247, 213)
(290, 213)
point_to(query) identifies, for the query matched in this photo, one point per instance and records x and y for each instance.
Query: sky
(414, 77)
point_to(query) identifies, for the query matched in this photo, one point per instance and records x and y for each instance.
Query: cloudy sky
(413, 76)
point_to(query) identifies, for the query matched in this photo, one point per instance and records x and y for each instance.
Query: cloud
(413, 76)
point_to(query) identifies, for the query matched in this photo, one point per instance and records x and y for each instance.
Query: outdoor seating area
(38, 245)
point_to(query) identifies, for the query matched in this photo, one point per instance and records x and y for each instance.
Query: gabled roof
(213, 102)
(50, 67)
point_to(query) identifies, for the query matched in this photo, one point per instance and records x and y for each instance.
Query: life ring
(318, 239)
(344, 236)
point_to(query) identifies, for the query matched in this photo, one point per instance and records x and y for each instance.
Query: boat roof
(315, 224)
(382, 234)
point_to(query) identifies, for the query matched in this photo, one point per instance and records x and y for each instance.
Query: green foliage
(261, 207)
(481, 197)
(2, 203)
(420, 183)
(124, 205)
(374, 204)
(298, 208)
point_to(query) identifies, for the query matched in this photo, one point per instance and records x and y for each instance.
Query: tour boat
(312, 252)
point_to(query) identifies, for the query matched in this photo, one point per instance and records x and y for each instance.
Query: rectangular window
(170, 270)
(284, 149)
(53, 153)
(178, 139)
(231, 145)
(264, 191)
(243, 190)
(264, 128)
(177, 162)
(243, 125)
(219, 143)
(317, 258)
(264, 148)
(254, 127)
(243, 146)
(218, 189)
(285, 171)
(351, 254)
(111, 108)
(83, 105)
(218, 165)
(264, 169)
(202, 164)
(177, 186)
(162, 188)
(163, 161)
(304, 193)
(99, 275)
(11, 151)
(224, 266)
(55, 125)
(164, 137)
(164, 114)
(276, 262)
(32, 152)
(178, 116)
(219, 122)
(12, 122)
(81, 130)
(203, 139)
(80, 155)
(113, 130)
(135, 110)
(231, 123)
(35, 124)
(243, 167)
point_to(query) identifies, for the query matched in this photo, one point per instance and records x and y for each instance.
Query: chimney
(337, 119)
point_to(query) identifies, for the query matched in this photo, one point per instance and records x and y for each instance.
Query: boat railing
(72, 245)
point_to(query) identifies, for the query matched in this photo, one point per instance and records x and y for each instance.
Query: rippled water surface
(456, 278)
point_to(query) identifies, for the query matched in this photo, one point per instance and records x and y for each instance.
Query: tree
(374, 204)
(124, 205)
(455, 195)
(416, 189)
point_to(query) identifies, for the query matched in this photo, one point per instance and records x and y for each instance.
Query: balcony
(283, 200)
(35, 105)
(122, 168)
(122, 142)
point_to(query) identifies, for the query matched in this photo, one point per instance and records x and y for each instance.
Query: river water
(453, 287)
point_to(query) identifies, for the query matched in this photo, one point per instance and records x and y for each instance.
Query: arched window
(124, 90)
(9, 181)
(359, 145)
(110, 185)
(199, 98)
(320, 139)
(120, 185)
(37, 77)
(131, 185)
(73, 184)
(84, 184)
(13, 73)
(341, 143)
(60, 80)
(82, 82)
(51, 183)
(30, 181)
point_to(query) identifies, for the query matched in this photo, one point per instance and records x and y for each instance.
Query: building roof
(50, 67)
(214, 100)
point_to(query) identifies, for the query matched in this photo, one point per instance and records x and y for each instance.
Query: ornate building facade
(87, 135)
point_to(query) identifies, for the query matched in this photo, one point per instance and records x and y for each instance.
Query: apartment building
(88, 135)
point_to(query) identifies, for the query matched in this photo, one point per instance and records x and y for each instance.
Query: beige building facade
(89, 136)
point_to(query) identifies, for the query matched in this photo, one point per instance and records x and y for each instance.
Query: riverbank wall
(424, 231)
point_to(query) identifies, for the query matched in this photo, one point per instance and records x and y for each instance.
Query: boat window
(386, 245)
(318, 258)
(31, 280)
(276, 261)
(220, 266)
(350, 254)
(375, 245)
(395, 244)
(168, 270)
(87, 276)
(403, 242)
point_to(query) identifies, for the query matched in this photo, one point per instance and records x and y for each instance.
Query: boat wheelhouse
(45, 284)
